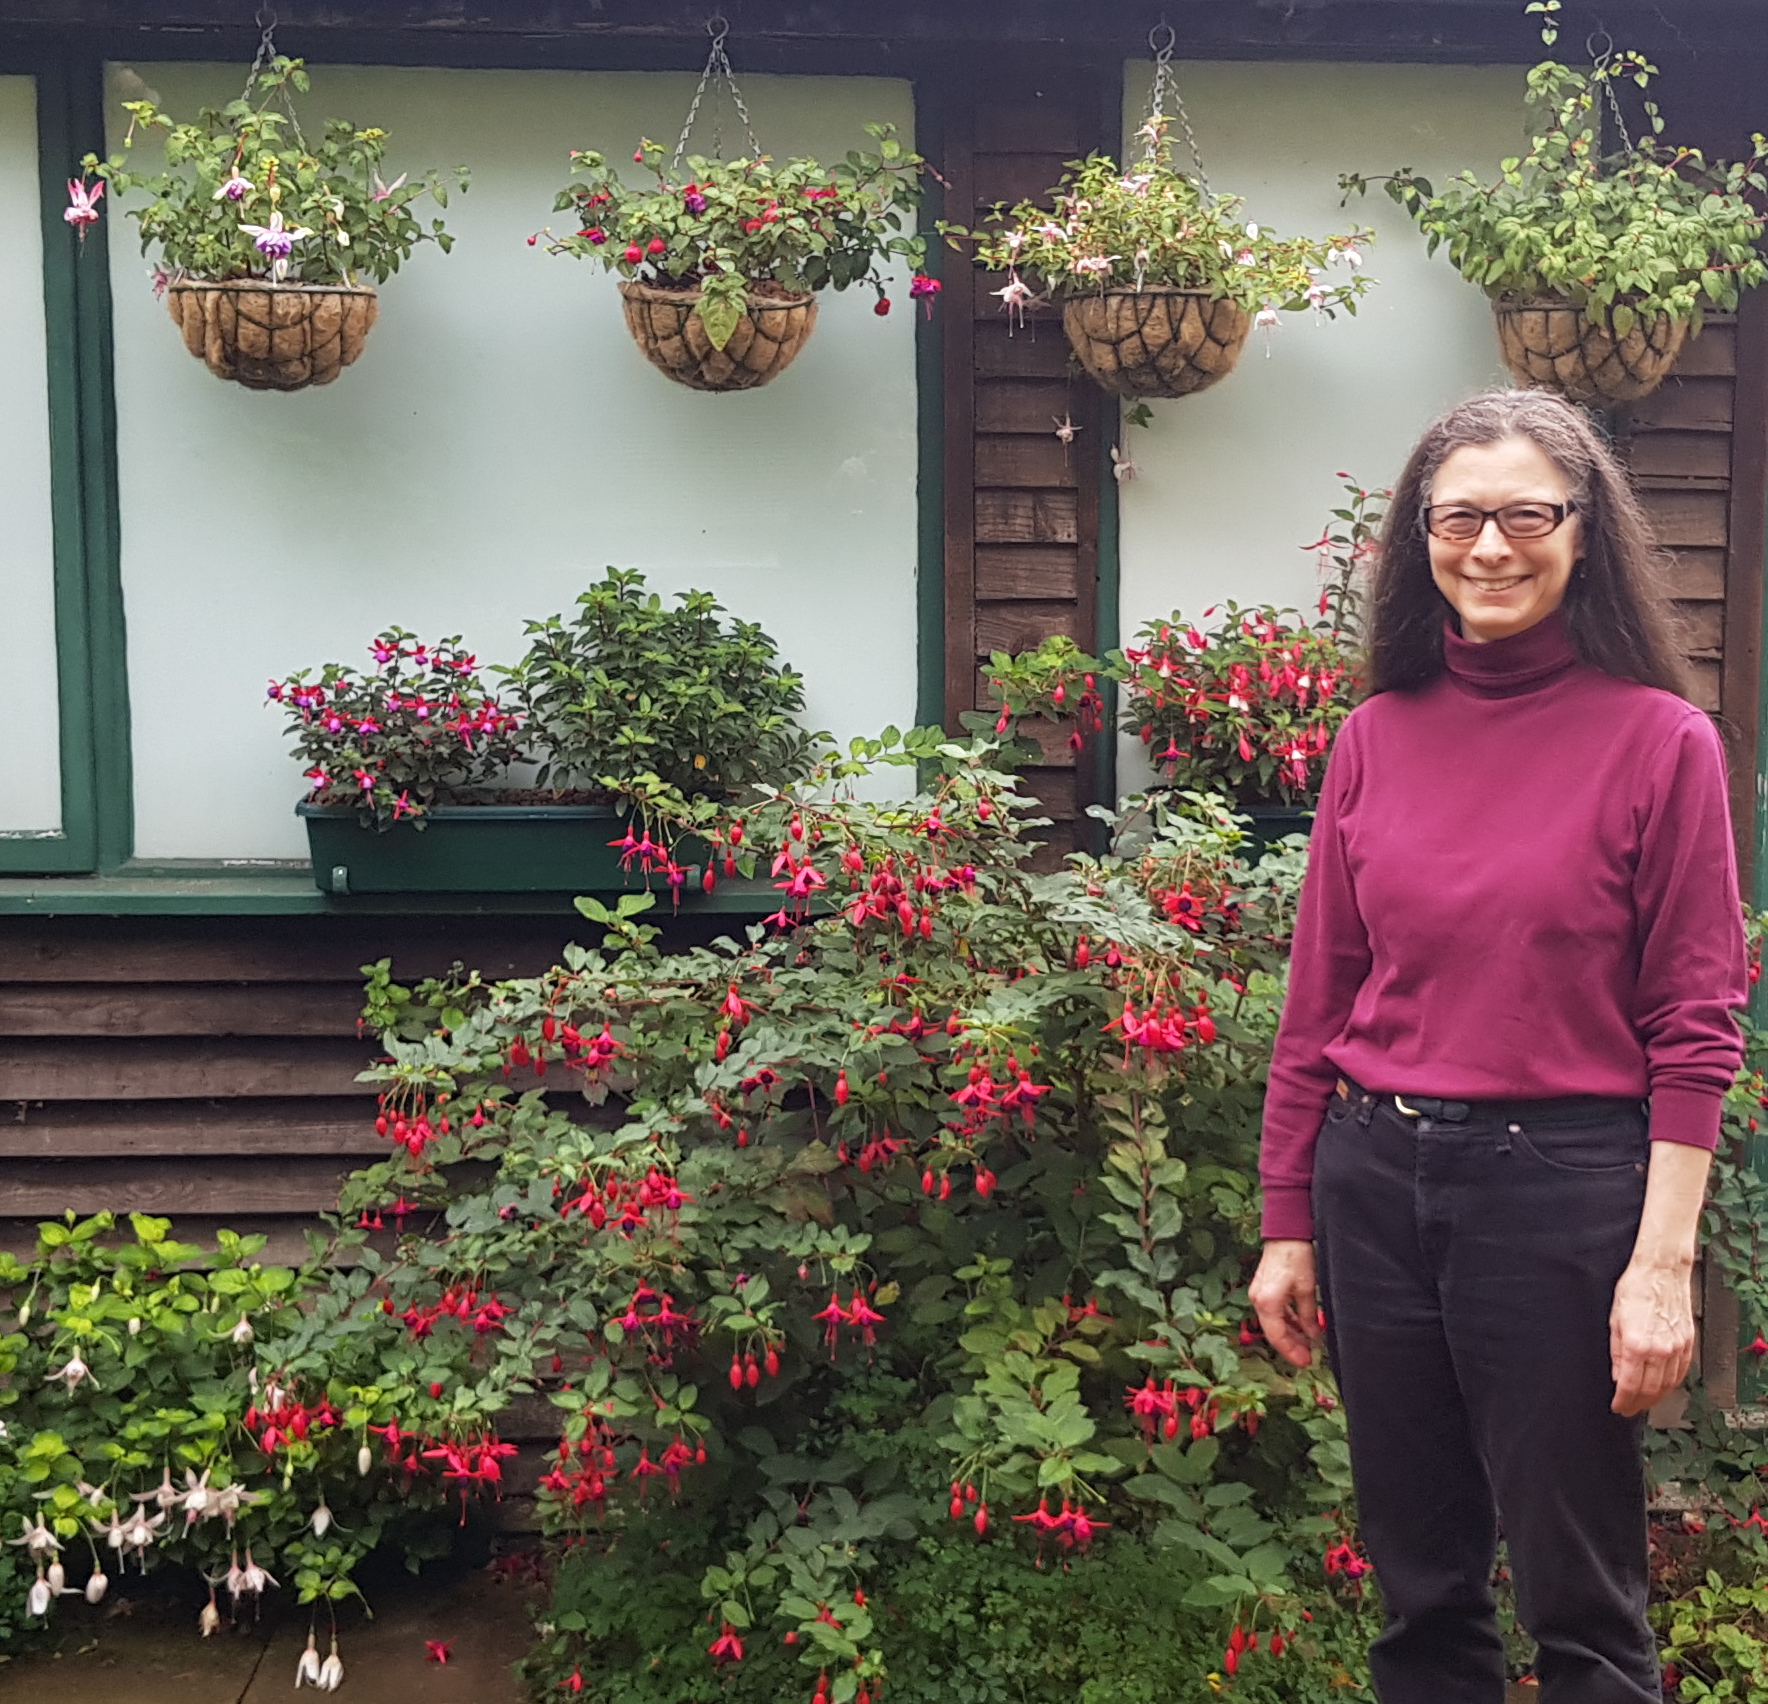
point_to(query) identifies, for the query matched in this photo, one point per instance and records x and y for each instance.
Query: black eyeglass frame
(1559, 511)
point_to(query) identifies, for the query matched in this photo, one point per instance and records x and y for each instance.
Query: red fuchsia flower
(1344, 1559)
(727, 1647)
(438, 1650)
(693, 200)
(925, 289)
(634, 254)
(831, 1319)
(881, 307)
(1759, 1348)
(862, 1315)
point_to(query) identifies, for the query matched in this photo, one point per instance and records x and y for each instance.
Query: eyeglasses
(1462, 523)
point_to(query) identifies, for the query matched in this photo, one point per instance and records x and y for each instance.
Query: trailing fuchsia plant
(389, 742)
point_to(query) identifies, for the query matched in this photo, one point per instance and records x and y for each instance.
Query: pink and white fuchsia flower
(74, 1373)
(82, 207)
(236, 188)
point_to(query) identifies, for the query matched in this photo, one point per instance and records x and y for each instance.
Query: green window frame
(92, 688)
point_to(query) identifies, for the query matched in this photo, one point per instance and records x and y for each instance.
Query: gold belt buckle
(1410, 1112)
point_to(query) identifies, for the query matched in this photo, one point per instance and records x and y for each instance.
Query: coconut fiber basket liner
(1550, 344)
(273, 336)
(766, 342)
(1156, 341)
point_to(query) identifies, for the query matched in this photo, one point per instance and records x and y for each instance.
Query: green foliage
(633, 687)
(1157, 225)
(732, 226)
(245, 167)
(152, 1402)
(1641, 230)
(392, 742)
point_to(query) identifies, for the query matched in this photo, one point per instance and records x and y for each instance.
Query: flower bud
(24, 1314)
(37, 1600)
(321, 1520)
(242, 1333)
(364, 1461)
(210, 1620)
(97, 1586)
(58, 1579)
(135, 1327)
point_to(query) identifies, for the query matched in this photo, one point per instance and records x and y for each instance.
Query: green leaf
(720, 315)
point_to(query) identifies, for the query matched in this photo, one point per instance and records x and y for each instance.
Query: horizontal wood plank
(1004, 351)
(180, 1069)
(1021, 460)
(1027, 517)
(1696, 574)
(272, 949)
(239, 1008)
(1695, 456)
(167, 1186)
(1682, 518)
(1023, 626)
(1028, 120)
(185, 1128)
(1714, 352)
(1685, 403)
(1012, 178)
(1022, 405)
(1026, 571)
(1701, 628)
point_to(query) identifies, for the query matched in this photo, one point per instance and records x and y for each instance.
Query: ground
(153, 1654)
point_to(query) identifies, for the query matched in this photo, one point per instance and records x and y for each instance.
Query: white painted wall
(30, 785)
(1234, 480)
(499, 442)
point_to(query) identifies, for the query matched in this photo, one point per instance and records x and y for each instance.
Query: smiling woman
(1520, 928)
(1505, 539)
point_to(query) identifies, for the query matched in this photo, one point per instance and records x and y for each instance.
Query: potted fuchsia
(270, 245)
(720, 261)
(629, 716)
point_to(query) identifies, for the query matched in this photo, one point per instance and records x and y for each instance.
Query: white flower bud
(364, 1461)
(321, 1520)
(24, 1314)
(58, 1578)
(37, 1602)
(210, 1619)
(242, 1333)
(97, 1586)
(134, 1326)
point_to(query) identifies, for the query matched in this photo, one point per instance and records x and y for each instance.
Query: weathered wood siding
(1698, 449)
(1021, 508)
(205, 1068)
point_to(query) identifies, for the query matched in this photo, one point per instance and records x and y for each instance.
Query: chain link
(1166, 87)
(1600, 62)
(265, 19)
(718, 65)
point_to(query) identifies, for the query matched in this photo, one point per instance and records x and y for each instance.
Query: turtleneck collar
(1508, 667)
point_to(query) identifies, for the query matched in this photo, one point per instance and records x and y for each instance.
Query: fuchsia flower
(276, 242)
(236, 188)
(83, 200)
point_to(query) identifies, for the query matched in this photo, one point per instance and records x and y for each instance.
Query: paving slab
(151, 1653)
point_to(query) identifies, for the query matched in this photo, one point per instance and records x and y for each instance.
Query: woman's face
(1498, 585)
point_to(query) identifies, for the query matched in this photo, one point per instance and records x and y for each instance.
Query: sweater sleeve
(1329, 959)
(1692, 974)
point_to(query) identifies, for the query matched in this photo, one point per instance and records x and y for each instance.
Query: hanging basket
(1550, 344)
(766, 342)
(267, 336)
(1156, 341)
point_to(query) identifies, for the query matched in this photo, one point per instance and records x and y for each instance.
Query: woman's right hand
(1285, 1295)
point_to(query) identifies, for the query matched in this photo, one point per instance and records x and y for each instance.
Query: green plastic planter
(476, 849)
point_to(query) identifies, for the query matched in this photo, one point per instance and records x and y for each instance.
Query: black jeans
(1467, 1271)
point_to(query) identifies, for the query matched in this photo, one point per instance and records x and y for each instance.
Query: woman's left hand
(1651, 1333)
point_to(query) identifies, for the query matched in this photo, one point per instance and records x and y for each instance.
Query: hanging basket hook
(1163, 48)
(718, 26)
(265, 17)
(1599, 57)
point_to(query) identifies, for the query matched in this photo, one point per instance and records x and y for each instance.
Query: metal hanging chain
(1166, 87)
(718, 65)
(1600, 62)
(265, 19)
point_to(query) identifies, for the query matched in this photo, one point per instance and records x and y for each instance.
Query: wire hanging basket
(1156, 340)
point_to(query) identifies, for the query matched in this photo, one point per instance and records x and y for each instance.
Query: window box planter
(477, 849)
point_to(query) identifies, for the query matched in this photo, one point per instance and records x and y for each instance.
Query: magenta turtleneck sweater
(1521, 885)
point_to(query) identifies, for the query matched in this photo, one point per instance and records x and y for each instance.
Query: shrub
(631, 687)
